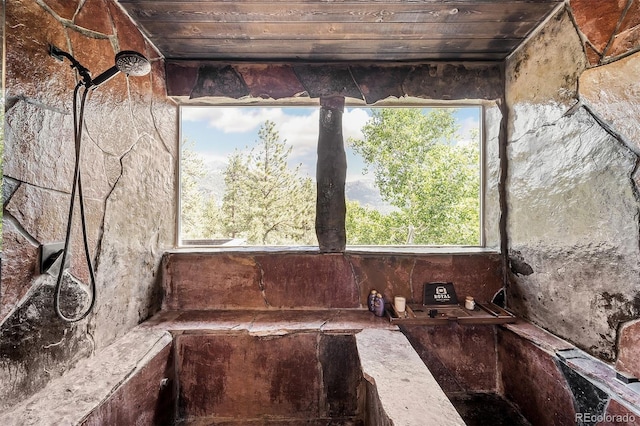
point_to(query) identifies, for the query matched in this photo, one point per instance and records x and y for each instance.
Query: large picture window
(248, 176)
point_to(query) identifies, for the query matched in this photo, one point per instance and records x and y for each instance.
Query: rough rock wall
(572, 195)
(129, 156)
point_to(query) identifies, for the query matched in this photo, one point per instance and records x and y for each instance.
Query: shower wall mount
(51, 257)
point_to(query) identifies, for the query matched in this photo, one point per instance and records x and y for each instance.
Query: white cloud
(232, 120)
(352, 122)
(195, 113)
(468, 124)
(301, 132)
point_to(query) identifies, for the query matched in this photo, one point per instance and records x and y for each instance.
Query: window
(248, 175)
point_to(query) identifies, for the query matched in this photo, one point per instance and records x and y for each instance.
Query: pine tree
(191, 201)
(234, 201)
(266, 202)
(211, 219)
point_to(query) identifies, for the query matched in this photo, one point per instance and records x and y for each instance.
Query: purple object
(371, 300)
(378, 305)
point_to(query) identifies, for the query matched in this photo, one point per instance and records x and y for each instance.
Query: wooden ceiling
(338, 30)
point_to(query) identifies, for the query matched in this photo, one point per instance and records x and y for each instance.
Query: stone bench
(126, 377)
(401, 390)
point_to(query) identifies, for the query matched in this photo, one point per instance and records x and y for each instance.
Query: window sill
(349, 250)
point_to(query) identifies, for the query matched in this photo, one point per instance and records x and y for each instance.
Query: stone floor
(476, 409)
(484, 409)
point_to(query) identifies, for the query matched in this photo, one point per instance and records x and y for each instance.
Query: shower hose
(78, 123)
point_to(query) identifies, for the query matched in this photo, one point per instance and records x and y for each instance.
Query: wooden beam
(345, 50)
(316, 11)
(337, 31)
(331, 174)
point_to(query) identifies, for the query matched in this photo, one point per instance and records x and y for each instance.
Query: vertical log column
(331, 173)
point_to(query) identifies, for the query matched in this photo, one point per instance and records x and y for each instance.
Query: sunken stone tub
(248, 368)
(265, 338)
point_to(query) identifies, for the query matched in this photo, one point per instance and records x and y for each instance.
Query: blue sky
(217, 131)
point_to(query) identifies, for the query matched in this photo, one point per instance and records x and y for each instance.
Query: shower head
(128, 62)
(132, 63)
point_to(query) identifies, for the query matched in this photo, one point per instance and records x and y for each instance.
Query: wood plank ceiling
(338, 30)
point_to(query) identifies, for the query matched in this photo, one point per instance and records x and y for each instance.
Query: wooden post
(331, 174)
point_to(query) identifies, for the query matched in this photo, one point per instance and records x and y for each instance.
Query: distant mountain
(212, 185)
(367, 194)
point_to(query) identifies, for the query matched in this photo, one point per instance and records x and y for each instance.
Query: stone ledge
(350, 250)
(268, 322)
(538, 336)
(75, 395)
(603, 376)
(393, 367)
(400, 386)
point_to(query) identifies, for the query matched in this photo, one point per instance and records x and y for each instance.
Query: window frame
(309, 103)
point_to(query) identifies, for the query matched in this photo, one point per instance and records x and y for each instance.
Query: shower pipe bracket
(51, 258)
(61, 54)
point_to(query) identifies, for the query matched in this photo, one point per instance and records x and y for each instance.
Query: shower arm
(61, 54)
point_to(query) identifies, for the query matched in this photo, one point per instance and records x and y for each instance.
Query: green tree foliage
(367, 226)
(211, 218)
(266, 202)
(192, 201)
(235, 197)
(421, 170)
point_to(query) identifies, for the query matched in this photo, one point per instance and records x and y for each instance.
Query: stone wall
(220, 280)
(573, 145)
(129, 158)
(310, 378)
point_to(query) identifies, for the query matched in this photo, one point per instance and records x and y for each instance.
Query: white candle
(399, 303)
(469, 303)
